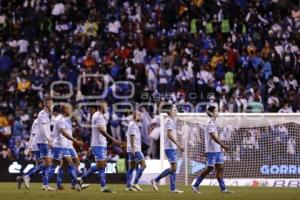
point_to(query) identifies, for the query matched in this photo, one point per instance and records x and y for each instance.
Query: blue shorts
(35, 155)
(44, 150)
(214, 158)
(100, 153)
(171, 155)
(58, 153)
(73, 153)
(138, 156)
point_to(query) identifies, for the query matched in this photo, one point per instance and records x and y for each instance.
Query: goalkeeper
(213, 151)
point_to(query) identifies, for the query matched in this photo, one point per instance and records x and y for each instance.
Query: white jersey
(33, 136)
(43, 120)
(210, 145)
(98, 139)
(133, 129)
(170, 125)
(70, 143)
(59, 140)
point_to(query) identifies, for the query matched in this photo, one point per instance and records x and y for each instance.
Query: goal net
(262, 146)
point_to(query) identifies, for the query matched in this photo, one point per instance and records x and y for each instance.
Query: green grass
(8, 191)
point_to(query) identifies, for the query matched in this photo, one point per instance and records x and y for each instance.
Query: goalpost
(264, 148)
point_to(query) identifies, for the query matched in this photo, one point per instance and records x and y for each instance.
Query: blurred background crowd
(242, 55)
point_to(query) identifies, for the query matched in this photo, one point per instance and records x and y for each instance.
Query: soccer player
(44, 143)
(64, 165)
(99, 147)
(134, 151)
(34, 152)
(171, 146)
(213, 151)
(62, 133)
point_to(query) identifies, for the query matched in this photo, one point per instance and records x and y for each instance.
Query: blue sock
(198, 181)
(89, 172)
(74, 181)
(51, 171)
(138, 175)
(165, 173)
(47, 171)
(34, 170)
(45, 175)
(60, 176)
(72, 172)
(173, 180)
(129, 177)
(102, 176)
(221, 184)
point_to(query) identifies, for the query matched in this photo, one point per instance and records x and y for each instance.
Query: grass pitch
(8, 191)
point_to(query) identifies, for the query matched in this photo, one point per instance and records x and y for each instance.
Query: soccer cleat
(47, 188)
(155, 185)
(60, 188)
(226, 191)
(196, 190)
(137, 187)
(19, 180)
(177, 191)
(77, 187)
(128, 189)
(107, 190)
(80, 181)
(26, 180)
(84, 186)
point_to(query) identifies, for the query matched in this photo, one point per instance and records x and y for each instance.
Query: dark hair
(47, 98)
(168, 109)
(210, 110)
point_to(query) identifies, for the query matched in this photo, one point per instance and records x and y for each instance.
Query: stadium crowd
(242, 54)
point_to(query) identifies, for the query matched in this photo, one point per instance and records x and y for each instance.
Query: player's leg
(173, 178)
(34, 170)
(172, 158)
(101, 173)
(131, 167)
(97, 154)
(60, 174)
(76, 162)
(211, 160)
(101, 165)
(71, 168)
(140, 160)
(47, 168)
(219, 170)
(55, 159)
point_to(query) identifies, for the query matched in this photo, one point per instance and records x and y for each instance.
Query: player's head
(102, 106)
(56, 110)
(212, 111)
(48, 103)
(172, 111)
(137, 116)
(66, 109)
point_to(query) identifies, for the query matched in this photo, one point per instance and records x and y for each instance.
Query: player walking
(213, 151)
(171, 146)
(134, 151)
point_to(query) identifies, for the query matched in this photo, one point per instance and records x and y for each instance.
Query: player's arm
(30, 143)
(170, 136)
(132, 140)
(65, 133)
(217, 140)
(105, 134)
